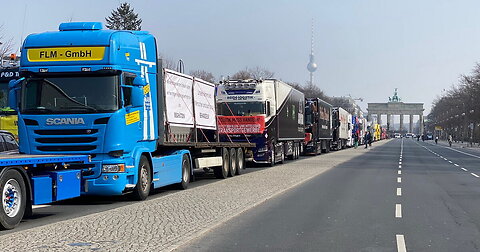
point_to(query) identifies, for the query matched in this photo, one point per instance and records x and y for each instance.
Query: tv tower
(312, 66)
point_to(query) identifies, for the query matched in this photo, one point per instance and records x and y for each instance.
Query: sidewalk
(164, 223)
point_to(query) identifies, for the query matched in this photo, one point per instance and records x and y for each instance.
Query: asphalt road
(407, 195)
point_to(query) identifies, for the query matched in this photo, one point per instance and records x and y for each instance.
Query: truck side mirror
(137, 96)
(14, 87)
(139, 81)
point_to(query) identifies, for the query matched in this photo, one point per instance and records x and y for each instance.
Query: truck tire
(282, 158)
(272, 157)
(233, 163)
(186, 173)
(221, 172)
(14, 199)
(240, 161)
(144, 181)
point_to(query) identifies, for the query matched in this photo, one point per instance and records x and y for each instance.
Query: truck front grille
(66, 148)
(67, 132)
(66, 140)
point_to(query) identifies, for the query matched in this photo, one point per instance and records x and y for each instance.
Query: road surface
(405, 196)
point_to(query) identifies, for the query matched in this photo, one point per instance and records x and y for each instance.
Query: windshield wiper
(66, 95)
(83, 107)
(37, 109)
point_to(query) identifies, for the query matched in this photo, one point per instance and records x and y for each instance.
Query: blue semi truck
(103, 93)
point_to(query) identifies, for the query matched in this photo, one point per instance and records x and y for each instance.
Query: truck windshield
(308, 115)
(4, 109)
(242, 108)
(73, 94)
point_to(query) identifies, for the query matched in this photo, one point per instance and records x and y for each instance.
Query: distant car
(8, 144)
(429, 137)
(409, 135)
(398, 135)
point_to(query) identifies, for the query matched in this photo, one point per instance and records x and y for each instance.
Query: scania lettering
(269, 113)
(107, 95)
(59, 121)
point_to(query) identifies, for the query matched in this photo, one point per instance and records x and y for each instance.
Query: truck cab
(8, 116)
(269, 113)
(86, 90)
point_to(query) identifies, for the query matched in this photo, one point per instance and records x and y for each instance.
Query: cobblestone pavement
(165, 223)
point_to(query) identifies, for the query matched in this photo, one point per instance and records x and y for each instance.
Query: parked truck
(318, 126)
(341, 128)
(27, 180)
(8, 116)
(104, 93)
(269, 113)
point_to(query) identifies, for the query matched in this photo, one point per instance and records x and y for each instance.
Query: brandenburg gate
(396, 107)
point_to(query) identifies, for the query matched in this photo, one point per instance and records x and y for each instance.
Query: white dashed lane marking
(399, 172)
(464, 169)
(401, 243)
(398, 210)
(399, 180)
(475, 175)
(456, 164)
(399, 191)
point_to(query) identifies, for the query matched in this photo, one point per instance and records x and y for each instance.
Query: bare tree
(167, 62)
(6, 45)
(241, 75)
(261, 73)
(253, 73)
(123, 18)
(204, 75)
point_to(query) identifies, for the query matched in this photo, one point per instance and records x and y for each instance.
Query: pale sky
(364, 48)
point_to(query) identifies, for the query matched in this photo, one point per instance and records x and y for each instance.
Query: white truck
(341, 128)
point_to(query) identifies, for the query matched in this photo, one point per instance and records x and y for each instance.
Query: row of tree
(457, 111)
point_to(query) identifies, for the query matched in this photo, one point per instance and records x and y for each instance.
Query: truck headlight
(113, 168)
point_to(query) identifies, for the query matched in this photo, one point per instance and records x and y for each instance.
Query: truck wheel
(240, 161)
(233, 163)
(144, 182)
(221, 172)
(282, 159)
(186, 173)
(272, 157)
(13, 199)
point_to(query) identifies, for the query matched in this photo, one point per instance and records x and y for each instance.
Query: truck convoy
(99, 115)
(318, 126)
(103, 93)
(8, 116)
(269, 113)
(341, 128)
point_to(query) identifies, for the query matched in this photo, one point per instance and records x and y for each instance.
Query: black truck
(318, 126)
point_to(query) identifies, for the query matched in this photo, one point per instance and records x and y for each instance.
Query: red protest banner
(241, 124)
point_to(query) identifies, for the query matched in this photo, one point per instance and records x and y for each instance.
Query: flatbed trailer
(27, 180)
